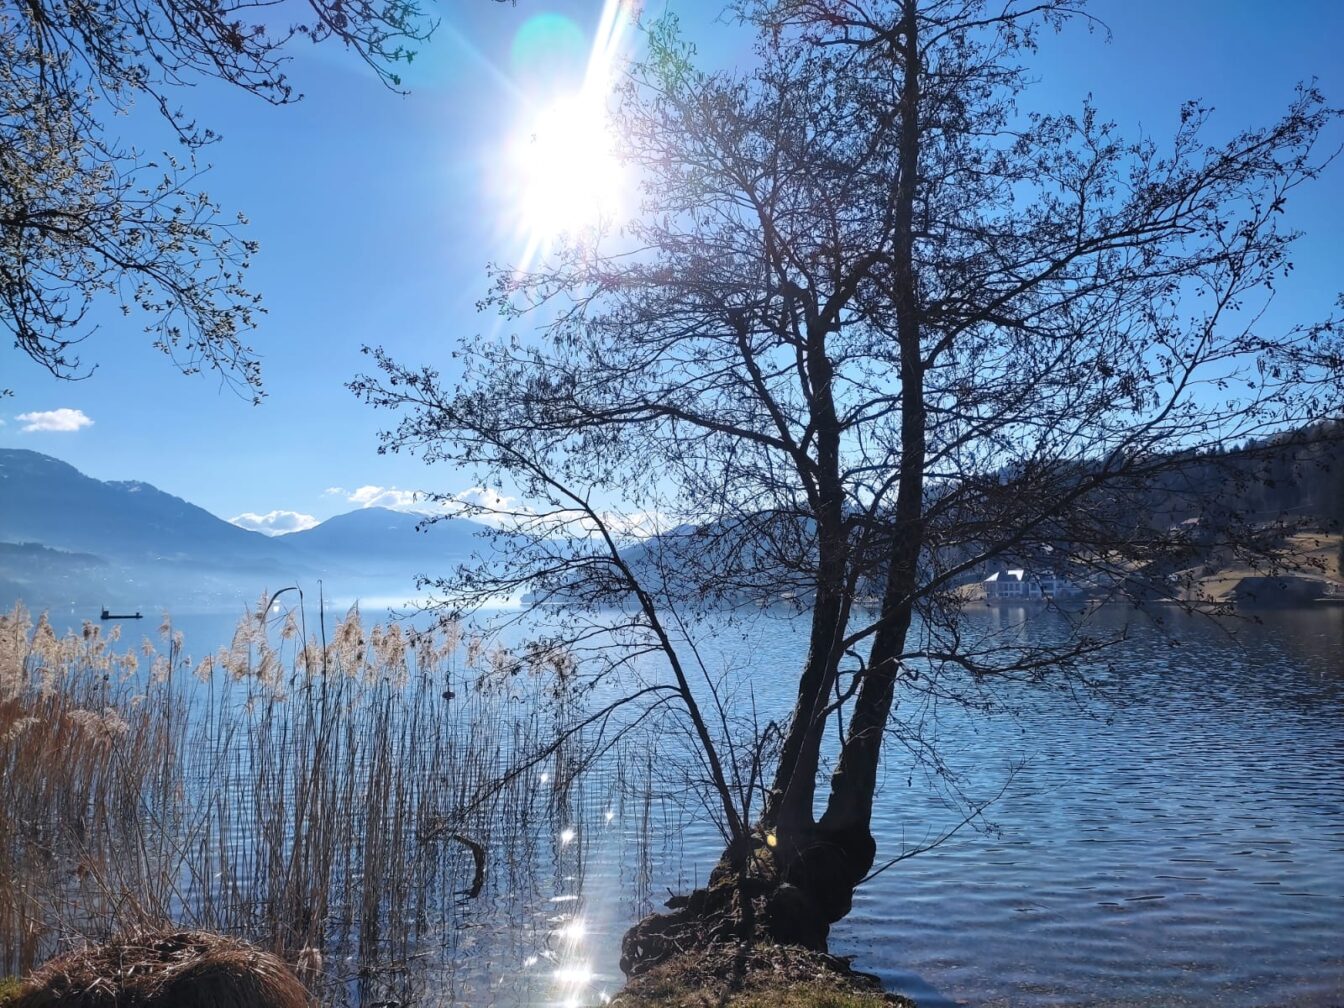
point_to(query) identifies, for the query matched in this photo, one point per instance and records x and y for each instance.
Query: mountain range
(68, 540)
(73, 543)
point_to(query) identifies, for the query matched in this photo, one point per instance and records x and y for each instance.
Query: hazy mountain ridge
(46, 501)
(1215, 519)
(69, 539)
(378, 536)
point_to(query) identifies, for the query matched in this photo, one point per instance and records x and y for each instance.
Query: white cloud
(637, 524)
(63, 419)
(387, 497)
(393, 498)
(488, 498)
(480, 504)
(487, 506)
(274, 523)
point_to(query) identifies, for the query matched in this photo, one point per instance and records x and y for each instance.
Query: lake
(1180, 844)
(1174, 836)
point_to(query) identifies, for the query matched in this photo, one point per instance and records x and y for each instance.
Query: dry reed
(304, 794)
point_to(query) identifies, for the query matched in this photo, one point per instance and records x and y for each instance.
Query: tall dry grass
(318, 794)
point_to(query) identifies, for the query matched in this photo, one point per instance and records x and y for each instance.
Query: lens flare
(566, 175)
(548, 47)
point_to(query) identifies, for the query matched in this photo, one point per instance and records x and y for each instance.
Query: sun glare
(568, 172)
(565, 174)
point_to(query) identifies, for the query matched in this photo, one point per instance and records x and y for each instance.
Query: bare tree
(875, 332)
(84, 217)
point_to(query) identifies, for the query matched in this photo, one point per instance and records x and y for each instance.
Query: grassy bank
(766, 976)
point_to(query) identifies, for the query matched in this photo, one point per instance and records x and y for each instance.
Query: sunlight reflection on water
(1184, 831)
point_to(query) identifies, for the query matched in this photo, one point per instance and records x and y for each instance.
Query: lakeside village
(1292, 587)
(1304, 568)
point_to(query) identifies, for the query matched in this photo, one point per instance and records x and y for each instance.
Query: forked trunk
(828, 860)
(793, 877)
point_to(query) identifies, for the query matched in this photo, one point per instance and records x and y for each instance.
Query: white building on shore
(1017, 585)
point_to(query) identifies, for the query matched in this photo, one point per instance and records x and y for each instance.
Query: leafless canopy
(85, 218)
(876, 331)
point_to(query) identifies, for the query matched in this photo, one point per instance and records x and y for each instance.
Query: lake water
(1180, 844)
(1175, 837)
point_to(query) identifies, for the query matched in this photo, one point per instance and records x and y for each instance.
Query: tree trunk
(794, 877)
(791, 799)
(829, 860)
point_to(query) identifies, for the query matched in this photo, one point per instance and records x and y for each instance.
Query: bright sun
(564, 169)
(568, 174)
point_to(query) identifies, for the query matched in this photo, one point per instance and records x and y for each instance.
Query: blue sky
(377, 213)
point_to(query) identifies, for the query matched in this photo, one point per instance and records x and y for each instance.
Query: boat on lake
(111, 615)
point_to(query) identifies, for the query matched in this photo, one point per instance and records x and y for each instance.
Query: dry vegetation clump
(762, 976)
(155, 969)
